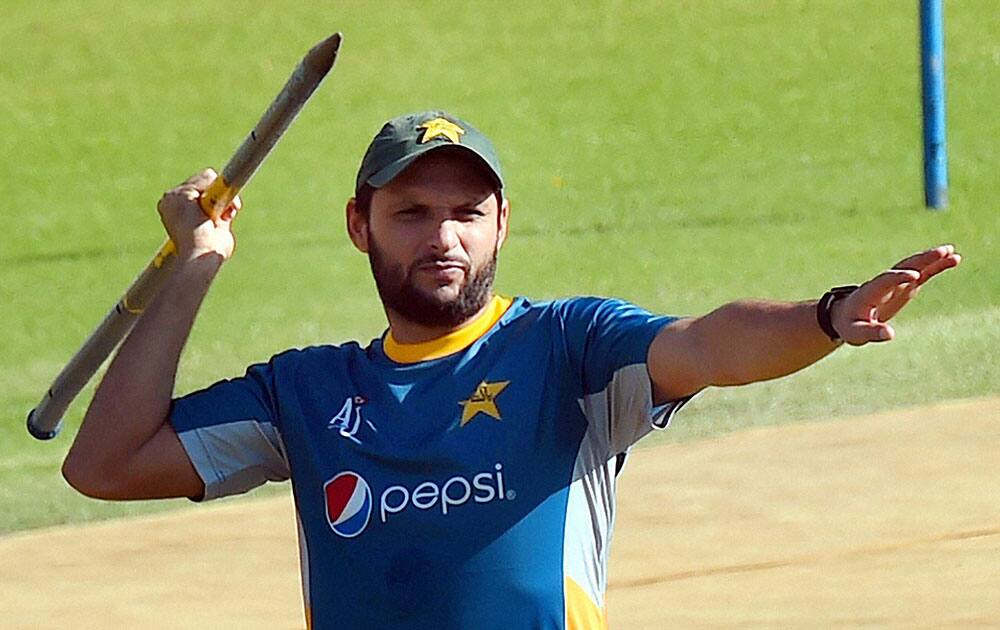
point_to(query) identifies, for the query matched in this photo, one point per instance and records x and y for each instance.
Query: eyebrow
(468, 205)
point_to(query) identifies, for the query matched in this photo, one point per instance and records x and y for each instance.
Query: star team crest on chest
(483, 400)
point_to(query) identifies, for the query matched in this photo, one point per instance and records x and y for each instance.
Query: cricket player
(459, 471)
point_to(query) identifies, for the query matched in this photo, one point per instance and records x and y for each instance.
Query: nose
(445, 236)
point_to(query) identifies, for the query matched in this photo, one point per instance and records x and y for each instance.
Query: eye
(413, 212)
(470, 214)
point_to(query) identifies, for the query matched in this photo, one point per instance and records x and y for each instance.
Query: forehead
(450, 170)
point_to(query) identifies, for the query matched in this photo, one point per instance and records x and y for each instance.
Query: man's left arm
(754, 340)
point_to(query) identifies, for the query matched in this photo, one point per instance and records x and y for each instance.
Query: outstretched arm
(125, 448)
(754, 340)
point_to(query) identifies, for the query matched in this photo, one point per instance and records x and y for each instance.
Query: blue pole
(932, 83)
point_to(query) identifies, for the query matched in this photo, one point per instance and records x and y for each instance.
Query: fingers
(230, 213)
(884, 295)
(900, 297)
(191, 190)
(862, 317)
(931, 262)
(201, 179)
(879, 290)
(861, 332)
(919, 260)
(947, 261)
(182, 200)
(868, 310)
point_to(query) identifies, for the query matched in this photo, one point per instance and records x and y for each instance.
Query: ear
(503, 216)
(357, 225)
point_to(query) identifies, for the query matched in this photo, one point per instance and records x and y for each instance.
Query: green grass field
(680, 154)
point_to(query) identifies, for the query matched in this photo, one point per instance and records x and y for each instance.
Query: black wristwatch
(826, 303)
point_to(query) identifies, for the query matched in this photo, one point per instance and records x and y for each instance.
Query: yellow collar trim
(450, 343)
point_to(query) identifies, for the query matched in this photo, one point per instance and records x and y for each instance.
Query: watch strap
(826, 303)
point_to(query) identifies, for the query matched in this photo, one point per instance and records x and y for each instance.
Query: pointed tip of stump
(320, 57)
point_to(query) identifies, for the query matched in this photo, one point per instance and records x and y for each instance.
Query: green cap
(404, 139)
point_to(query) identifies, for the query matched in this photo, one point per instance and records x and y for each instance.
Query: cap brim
(391, 171)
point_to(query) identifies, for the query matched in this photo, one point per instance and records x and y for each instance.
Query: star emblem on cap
(483, 400)
(438, 127)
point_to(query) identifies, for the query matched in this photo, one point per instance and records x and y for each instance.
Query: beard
(399, 292)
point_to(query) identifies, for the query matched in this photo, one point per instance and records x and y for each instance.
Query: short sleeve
(613, 344)
(231, 433)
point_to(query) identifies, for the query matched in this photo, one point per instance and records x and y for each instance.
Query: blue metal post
(932, 82)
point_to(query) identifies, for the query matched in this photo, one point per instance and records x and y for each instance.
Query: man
(458, 472)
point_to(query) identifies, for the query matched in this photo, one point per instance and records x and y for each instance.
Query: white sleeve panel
(235, 457)
(624, 409)
(617, 418)
(590, 516)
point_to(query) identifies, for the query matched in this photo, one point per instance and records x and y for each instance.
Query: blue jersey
(467, 482)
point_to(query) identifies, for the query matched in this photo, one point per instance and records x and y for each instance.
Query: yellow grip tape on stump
(217, 197)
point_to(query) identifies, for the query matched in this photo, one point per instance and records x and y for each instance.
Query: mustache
(438, 260)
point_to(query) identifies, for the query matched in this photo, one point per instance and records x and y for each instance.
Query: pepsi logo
(349, 499)
(348, 504)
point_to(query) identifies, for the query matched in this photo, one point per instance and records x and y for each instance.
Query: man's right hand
(126, 447)
(193, 233)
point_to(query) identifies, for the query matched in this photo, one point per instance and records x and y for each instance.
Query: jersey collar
(450, 343)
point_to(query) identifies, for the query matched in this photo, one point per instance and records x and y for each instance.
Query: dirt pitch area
(888, 520)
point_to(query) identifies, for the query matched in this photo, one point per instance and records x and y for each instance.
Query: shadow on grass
(34, 258)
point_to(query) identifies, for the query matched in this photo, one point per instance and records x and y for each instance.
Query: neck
(406, 331)
(426, 343)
